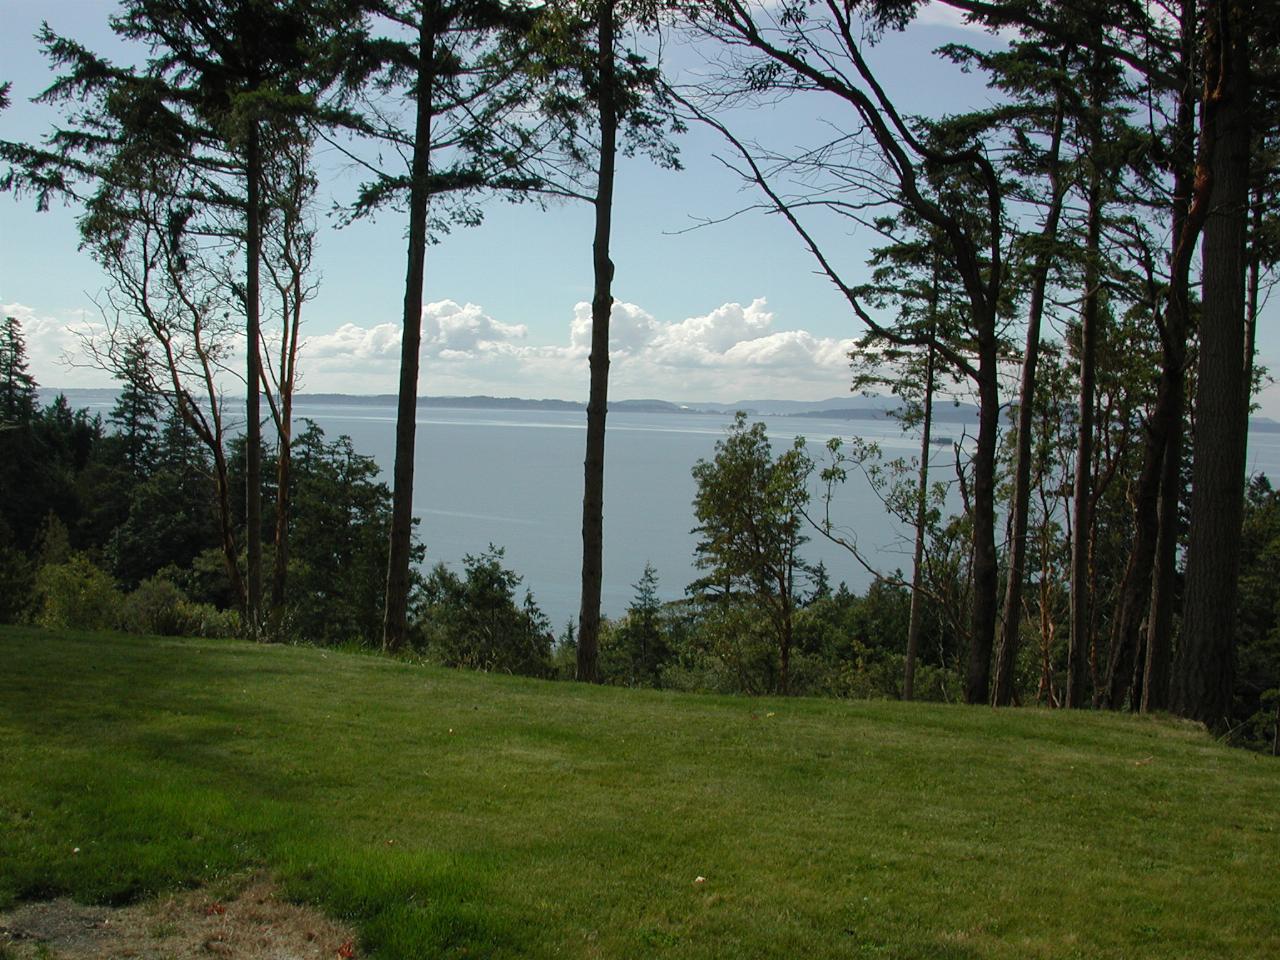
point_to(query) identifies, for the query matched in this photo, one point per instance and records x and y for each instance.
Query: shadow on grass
(131, 775)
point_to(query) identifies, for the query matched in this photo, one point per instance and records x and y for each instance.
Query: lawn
(450, 814)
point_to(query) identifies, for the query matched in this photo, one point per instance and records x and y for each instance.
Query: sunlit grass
(456, 814)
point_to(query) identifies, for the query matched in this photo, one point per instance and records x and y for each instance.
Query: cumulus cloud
(54, 346)
(940, 15)
(732, 351)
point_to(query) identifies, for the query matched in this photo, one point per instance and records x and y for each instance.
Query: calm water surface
(514, 479)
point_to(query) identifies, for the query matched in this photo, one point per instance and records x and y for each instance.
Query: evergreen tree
(17, 387)
(639, 641)
(136, 410)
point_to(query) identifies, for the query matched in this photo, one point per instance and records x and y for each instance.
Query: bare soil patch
(255, 924)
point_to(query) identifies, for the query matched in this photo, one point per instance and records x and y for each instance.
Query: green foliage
(136, 412)
(749, 506)
(17, 387)
(475, 621)
(1258, 618)
(17, 579)
(155, 607)
(76, 595)
(341, 522)
(634, 650)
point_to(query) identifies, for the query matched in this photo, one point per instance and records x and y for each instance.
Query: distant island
(833, 408)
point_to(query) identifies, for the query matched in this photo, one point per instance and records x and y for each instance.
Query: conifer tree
(17, 386)
(136, 410)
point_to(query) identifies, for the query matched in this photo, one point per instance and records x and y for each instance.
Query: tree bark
(1082, 496)
(985, 575)
(396, 612)
(914, 624)
(1011, 620)
(1204, 673)
(1190, 207)
(253, 413)
(598, 396)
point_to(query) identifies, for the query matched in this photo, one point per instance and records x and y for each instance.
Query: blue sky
(725, 312)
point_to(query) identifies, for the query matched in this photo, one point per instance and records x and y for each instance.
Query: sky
(729, 311)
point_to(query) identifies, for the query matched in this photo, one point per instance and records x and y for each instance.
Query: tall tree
(289, 238)
(819, 48)
(1035, 73)
(749, 507)
(457, 67)
(216, 77)
(600, 97)
(136, 409)
(606, 99)
(17, 386)
(1204, 672)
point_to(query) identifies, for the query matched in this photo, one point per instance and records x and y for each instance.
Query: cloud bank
(54, 355)
(728, 353)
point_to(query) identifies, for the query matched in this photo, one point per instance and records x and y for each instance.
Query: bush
(16, 584)
(206, 620)
(476, 622)
(155, 607)
(76, 595)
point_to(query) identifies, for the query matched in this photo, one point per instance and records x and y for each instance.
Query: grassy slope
(459, 814)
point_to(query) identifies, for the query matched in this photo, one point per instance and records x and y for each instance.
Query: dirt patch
(254, 925)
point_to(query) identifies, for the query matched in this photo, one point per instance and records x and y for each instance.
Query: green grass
(450, 814)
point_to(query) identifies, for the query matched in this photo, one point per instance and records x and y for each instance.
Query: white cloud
(54, 354)
(728, 353)
(936, 14)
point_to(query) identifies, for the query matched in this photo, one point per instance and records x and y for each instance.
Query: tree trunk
(598, 397)
(1190, 207)
(1011, 620)
(284, 465)
(253, 413)
(1082, 495)
(914, 624)
(396, 612)
(1155, 678)
(985, 575)
(230, 551)
(1204, 674)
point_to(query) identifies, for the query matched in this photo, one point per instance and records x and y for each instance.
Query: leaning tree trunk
(1204, 674)
(598, 397)
(915, 623)
(396, 612)
(253, 413)
(1011, 620)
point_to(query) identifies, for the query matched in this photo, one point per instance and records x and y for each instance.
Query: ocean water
(513, 478)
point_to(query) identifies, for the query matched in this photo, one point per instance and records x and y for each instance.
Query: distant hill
(833, 408)
(960, 413)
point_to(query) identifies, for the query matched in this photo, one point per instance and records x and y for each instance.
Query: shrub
(476, 621)
(206, 620)
(76, 594)
(155, 607)
(16, 584)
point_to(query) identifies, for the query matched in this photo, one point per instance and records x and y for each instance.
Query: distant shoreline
(835, 408)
